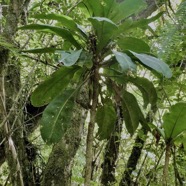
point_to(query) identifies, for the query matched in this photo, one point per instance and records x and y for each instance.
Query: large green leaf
(53, 86)
(65, 34)
(63, 19)
(134, 44)
(174, 122)
(147, 89)
(69, 58)
(125, 61)
(105, 118)
(57, 117)
(105, 29)
(131, 112)
(114, 9)
(95, 7)
(121, 10)
(154, 63)
(66, 21)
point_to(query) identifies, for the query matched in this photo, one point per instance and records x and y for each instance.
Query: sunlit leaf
(125, 61)
(57, 117)
(53, 86)
(124, 9)
(69, 58)
(174, 122)
(101, 19)
(154, 63)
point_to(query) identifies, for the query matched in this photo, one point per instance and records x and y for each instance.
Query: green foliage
(64, 33)
(134, 44)
(104, 29)
(64, 20)
(154, 63)
(69, 58)
(131, 112)
(105, 118)
(147, 89)
(57, 117)
(174, 122)
(53, 86)
(95, 41)
(125, 61)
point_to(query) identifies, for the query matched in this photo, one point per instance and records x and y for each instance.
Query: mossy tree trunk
(58, 170)
(112, 151)
(11, 115)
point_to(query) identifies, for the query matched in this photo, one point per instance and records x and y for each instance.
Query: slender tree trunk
(90, 135)
(136, 152)
(133, 159)
(111, 152)
(166, 165)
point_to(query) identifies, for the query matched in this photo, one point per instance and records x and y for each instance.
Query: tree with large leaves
(98, 61)
(107, 22)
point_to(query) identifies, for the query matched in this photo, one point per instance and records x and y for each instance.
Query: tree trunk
(133, 159)
(59, 166)
(58, 171)
(10, 104)
(111, 152)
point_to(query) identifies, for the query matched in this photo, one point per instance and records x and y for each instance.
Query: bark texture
(112, 152)
(11, 116)
(59, 167)
(133, 159)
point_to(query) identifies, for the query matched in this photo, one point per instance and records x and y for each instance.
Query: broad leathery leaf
(57, 117)
(124, 9)
(131, 112)
(53, 86)
(105, 30)
(65, 34)
(69, 58)
(154, 63)
(125, 61)
(134, 44)
(63, 19)
(147, 89)
(105, 118)
(66, 21)
(96, 7)
(174, 122)
(116, 11)
(85, 59)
